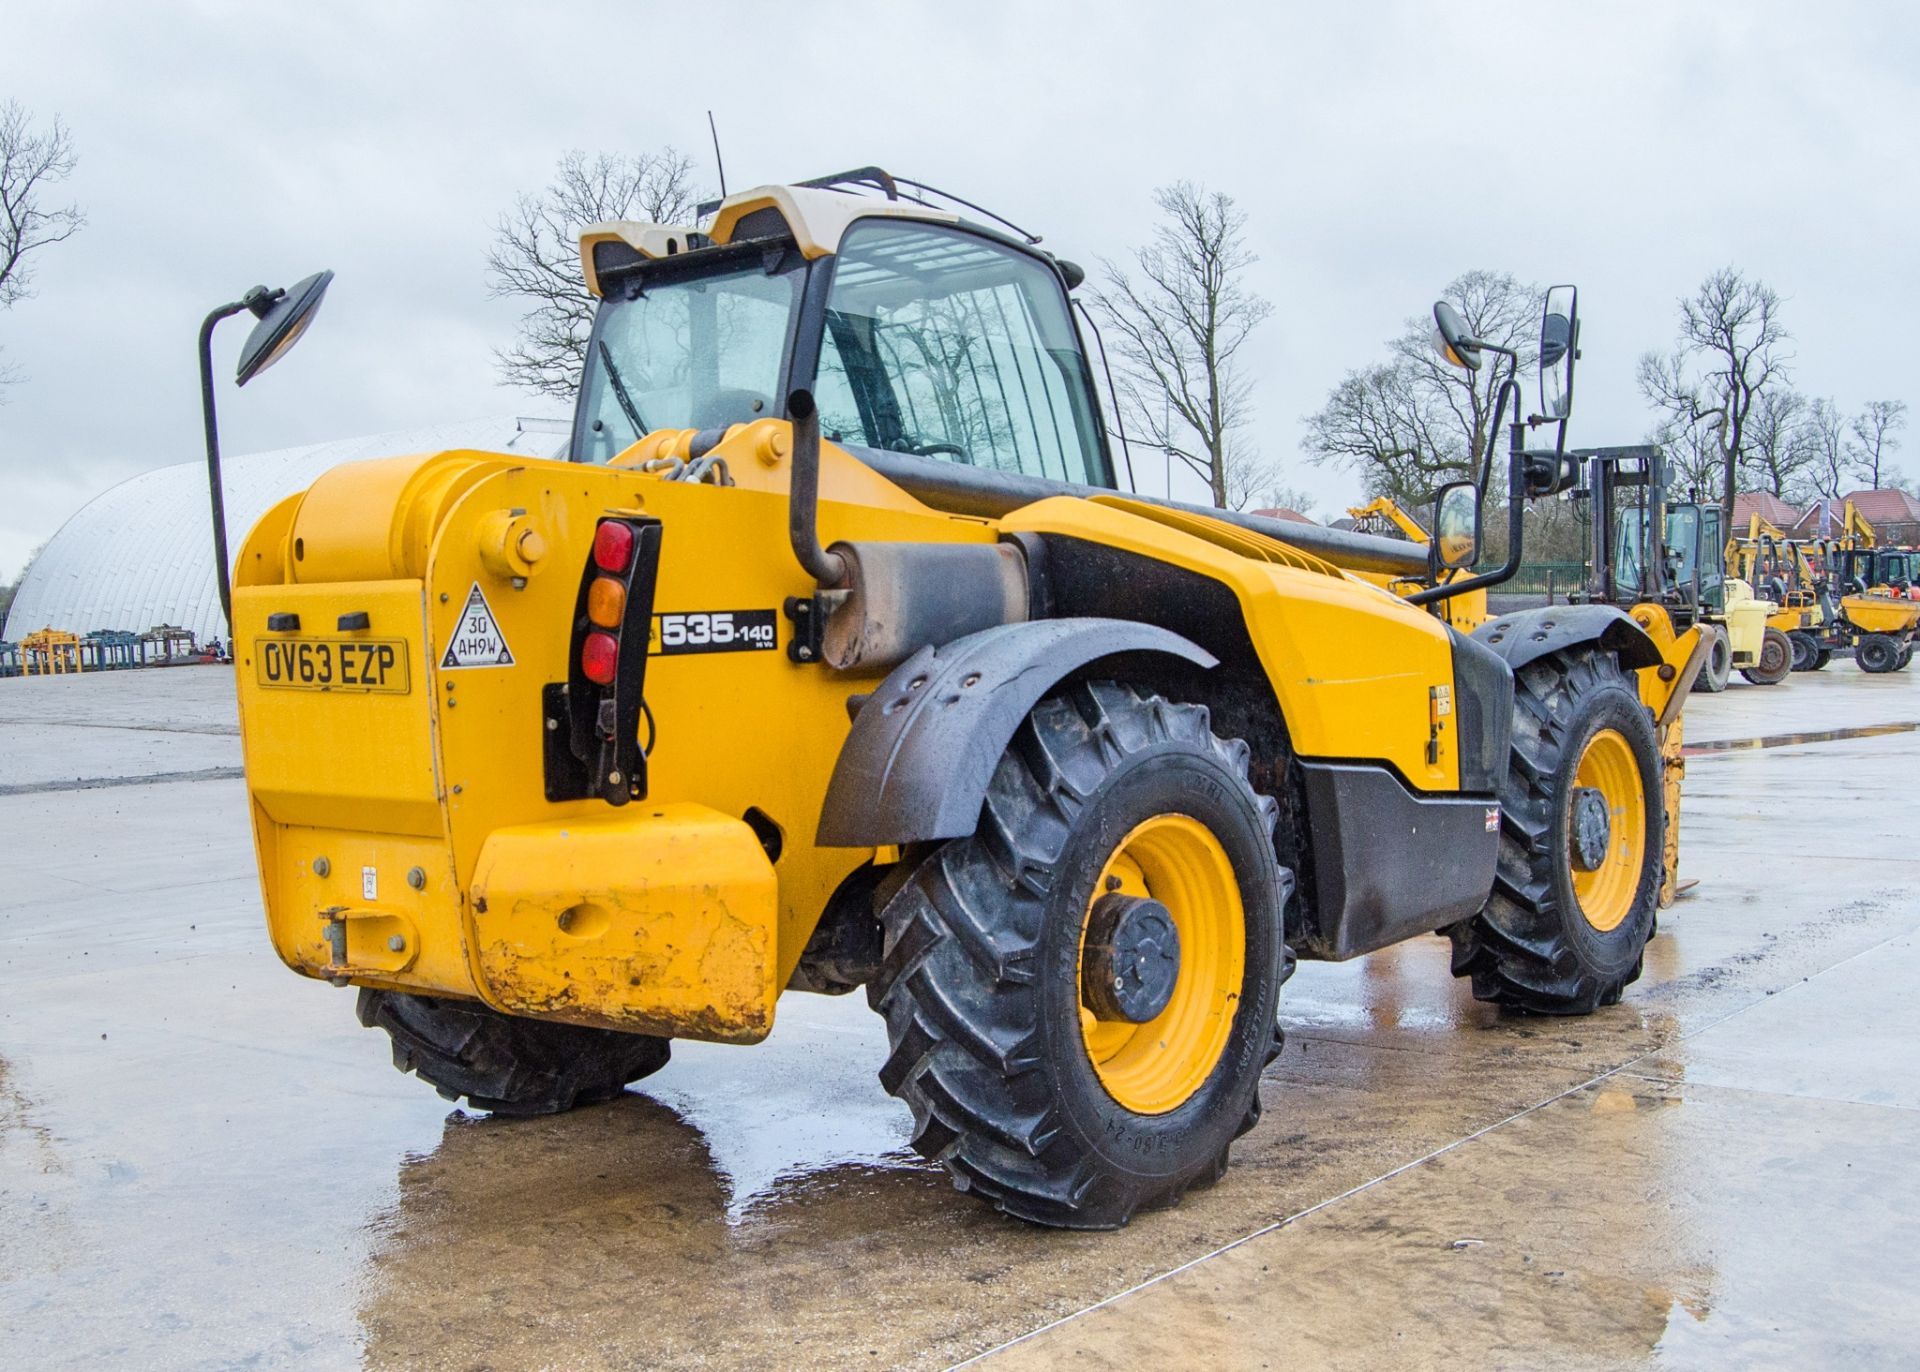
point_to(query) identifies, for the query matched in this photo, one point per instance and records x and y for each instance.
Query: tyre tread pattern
(966, 1057)
(1514, 950)
(504, 1063)
(1877, 654)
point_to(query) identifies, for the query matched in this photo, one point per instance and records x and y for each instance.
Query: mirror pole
(222, 577)
(1516, 508)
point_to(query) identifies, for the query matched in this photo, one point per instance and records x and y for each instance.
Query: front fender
(925, 743)
(1525, 635)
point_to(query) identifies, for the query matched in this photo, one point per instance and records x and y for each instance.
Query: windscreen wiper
(620, 392)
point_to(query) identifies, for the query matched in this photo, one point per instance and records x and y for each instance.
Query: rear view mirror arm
(1516, 506)
(1516, 493)
(222, 577)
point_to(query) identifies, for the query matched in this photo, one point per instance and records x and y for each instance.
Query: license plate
(332, 664)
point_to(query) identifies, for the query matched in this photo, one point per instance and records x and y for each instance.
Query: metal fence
(1540, 578)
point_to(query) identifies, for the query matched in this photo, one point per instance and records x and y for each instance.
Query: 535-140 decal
(713, 631)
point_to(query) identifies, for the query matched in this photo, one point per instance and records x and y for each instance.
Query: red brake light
(599, 656)
(612, 546)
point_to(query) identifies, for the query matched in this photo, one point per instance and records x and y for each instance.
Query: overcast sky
(1378, 148)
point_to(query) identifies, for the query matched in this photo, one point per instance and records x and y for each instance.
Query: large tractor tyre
(1877, 653)
(1577, 884)
(1081, 996)
(1719, 664)
(1776, 660)
(1822, 658)
(1806, 649)
(505, 1064)
(1906, 656)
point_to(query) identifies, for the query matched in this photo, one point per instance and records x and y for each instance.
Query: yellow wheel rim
(1154, 1067)
(1606, 893)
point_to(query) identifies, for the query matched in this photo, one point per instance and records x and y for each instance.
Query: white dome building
(141, 553)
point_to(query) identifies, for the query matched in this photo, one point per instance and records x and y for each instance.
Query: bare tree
(1824, 430)
(1181, 314)
(1730, 350)
(31, 162)
(1874, 439)
(1412, 423)
(535, 257)
(1251, 479)
(1376, 423)
(1294, 498)
(1779, 451)
(1693, 457)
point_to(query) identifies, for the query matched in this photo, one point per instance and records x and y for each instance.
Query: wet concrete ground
(205, 1162)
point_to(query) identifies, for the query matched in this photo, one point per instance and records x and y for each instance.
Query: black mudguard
(925, 744)
(1526, 635)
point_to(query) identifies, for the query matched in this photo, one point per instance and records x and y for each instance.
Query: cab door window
(947, 345)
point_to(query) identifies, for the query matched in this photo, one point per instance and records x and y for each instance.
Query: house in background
(1893, 514)
(1781, 513)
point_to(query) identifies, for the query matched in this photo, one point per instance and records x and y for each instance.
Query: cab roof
(814, 217)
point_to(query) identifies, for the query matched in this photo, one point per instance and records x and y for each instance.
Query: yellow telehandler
(835, 658)
(1383, 516)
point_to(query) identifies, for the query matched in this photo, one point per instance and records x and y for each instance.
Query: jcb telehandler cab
(834, 658)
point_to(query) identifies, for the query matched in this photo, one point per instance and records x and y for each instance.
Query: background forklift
(1667, 558)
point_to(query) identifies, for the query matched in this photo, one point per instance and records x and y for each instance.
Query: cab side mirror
(1559, 349)
(1456, 525)
(1451, 339)
(284, 316)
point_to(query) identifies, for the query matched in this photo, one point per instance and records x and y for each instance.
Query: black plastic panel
(1389, 864)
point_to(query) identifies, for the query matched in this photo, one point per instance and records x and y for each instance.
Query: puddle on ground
(1730, 745)
(768, 1123)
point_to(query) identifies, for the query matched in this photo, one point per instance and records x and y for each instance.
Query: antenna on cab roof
(718, 166)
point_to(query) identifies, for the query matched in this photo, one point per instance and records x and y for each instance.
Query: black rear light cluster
(600, 706)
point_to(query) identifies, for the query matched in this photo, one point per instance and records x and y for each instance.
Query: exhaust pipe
(879, 603)
(829, 569)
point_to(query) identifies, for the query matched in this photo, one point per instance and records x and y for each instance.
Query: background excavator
(1779, 569)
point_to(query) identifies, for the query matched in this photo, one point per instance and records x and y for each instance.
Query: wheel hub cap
(1592, 828)
(1174, 864)
(1132, 960)
(1607, 830)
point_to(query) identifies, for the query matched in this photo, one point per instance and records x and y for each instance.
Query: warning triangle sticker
(477, 640)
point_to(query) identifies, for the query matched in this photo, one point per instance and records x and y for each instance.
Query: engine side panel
(1357, 673)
